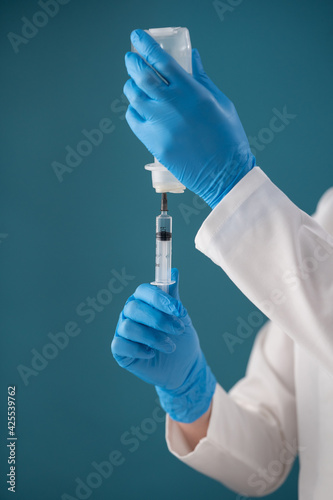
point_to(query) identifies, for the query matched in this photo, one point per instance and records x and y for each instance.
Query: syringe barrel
(163, 249)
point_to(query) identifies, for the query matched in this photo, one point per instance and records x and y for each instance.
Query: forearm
(240, 440)
(196, 430)
(279, 257)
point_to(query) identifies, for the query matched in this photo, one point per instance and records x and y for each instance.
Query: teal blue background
(65, 238)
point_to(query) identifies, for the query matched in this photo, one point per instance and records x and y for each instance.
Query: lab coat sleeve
(251, 440)
(279, 257)
(282, 260)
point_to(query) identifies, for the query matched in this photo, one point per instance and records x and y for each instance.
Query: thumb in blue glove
(156, 341)
(189, 125)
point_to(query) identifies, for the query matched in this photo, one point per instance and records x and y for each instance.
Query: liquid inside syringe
(163, 247)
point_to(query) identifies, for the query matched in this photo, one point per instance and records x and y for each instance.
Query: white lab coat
(282, 260)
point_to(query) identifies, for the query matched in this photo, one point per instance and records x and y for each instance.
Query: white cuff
(227, 206)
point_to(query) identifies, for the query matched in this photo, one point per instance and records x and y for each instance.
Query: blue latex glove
(155, 340)
(190, 126)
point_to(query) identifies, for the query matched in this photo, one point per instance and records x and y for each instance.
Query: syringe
(163, 247)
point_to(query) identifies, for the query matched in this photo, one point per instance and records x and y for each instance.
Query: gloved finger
(197, 66)
(138, 99)
(144, 76)
(136, 332)
(174, 289)
(134, 120)
(162, 301)
(143, 313)
(200, 75)
(131, 297)
(125, 351)
(151, 51)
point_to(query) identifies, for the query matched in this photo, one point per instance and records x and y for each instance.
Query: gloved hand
(190, 126)
(155, 340)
